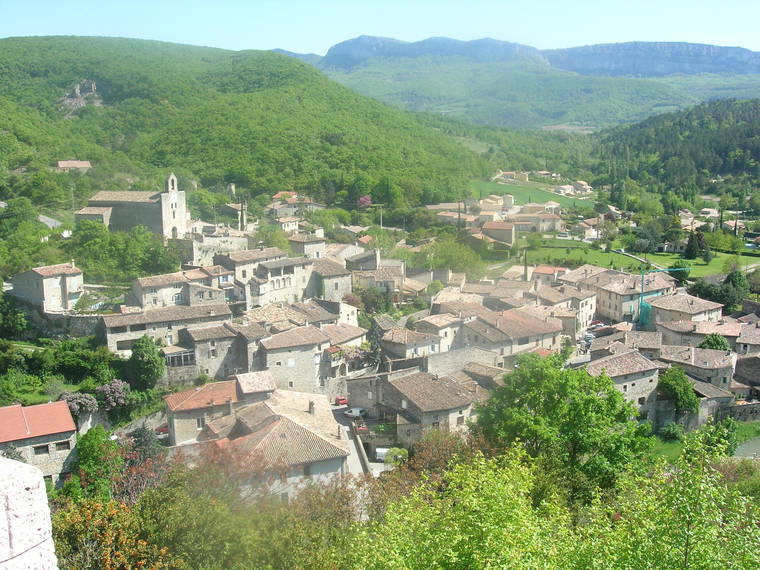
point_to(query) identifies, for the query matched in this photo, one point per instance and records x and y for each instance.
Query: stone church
(163, 213)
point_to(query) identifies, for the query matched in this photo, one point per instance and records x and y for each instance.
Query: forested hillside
(712, 147)
(262, 120)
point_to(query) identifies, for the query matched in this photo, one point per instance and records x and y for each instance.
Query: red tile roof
(18, 422)
(55, 270)
(213, 394)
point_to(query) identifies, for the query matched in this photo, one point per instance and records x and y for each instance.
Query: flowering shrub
(364, 201)
(79, 403)
(113, 394)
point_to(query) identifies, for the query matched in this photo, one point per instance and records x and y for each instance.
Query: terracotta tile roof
(726, 328)
(494, 373)
(306, 238)
(212, 394)
(210, 333)
(249, 255)
(385, 322)
(684, 303)
(329, 268)
(276, 313)
(583, 272)
(697, 357)
(643, 339)
(300, 336)
(549, 270)
(406, 336)
(432, 393)
(55, 270)
(709, 390)
(125, 197)
(342, 333)
(487, 331)
(617, 365)
(288, 262)
(524, 322)
(498, 226)
(750, 334)
(440, 321)
(163, 279)
(283, 441)
(93, 210)
(168, 314)
(255, 382)
(315, 313)
(74, 164)
(251, 331)
(19, 422)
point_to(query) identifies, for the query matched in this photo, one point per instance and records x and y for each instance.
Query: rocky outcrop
(653, 59)
(82, 94)
(26, 537)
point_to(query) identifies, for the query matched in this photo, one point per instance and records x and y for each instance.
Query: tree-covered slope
(260, 119)
(711, 147)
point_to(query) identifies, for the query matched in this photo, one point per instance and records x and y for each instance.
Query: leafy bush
(671, 432)
(79, 403)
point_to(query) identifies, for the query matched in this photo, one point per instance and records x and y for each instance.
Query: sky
(312, 26)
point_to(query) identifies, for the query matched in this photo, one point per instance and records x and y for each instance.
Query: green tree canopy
(715, 341)
(577, 423)
(145, 364)
(675, 384)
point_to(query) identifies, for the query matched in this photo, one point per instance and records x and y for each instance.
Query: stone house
(163, 213)
(334, 280)
(748, 341)
(307, 245)
(405, 343)
(684, 307)
(78, 165)
(547, 274)
(288, 224)
(617, 293)
(692, 333)
(634, 375)
(44, 435)
(712, 366)
(120, 331)
(364, 261)
(198, 248)
(446, 326)
(537, 222)
(216, 351)
(292, 206)
(416, 402)
(294, 358)
(244, 263)
(211, 285)
(52, 288)
(189, 411)
(291, 435)
(503, 232)
(281, 281)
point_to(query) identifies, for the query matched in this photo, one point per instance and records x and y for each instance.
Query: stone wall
(58, 325)
(26, 537)
(742, 413)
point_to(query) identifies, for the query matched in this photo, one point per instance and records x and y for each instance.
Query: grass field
(524, 193)
(670, 450)
(580, 253)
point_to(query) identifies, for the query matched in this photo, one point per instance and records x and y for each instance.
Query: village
(272, 351)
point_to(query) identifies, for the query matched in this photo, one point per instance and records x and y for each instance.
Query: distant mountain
(500, 83)
(310, 58)
(351, 53)
(654, 59)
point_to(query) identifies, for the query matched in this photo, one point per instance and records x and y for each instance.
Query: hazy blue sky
(313, 26)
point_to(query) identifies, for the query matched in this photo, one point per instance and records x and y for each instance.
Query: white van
(380, 453)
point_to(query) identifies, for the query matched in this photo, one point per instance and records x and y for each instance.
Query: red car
(341, 401)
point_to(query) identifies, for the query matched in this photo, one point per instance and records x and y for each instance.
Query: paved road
(352, 462)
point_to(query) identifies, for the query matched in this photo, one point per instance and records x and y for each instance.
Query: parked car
(341, 401)
(355, 413)
(161, 430)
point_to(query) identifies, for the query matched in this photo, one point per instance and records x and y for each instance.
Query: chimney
(230, 406)
(311, 407)
(72, 264)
